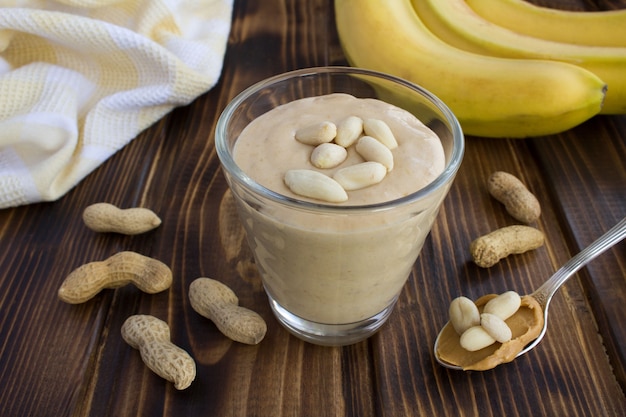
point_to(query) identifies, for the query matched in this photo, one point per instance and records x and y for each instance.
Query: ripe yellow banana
(492, 97)
(457, 24)
(605, 28)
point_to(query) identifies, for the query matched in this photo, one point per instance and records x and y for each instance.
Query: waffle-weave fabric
(79, 79)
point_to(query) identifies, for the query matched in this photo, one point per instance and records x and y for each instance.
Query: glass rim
(229, 164)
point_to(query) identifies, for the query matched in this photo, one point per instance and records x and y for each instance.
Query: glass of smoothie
(334, 263)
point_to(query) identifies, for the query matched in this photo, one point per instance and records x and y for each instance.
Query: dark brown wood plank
(62, 360)
(596, 152)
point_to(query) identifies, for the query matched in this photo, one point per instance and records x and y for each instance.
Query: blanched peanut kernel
(380, 131)
(360, 175)
(504, 305)
(476, 338)
(373, 150)
(317, 134)
(496, 327)
(348, 131)
(463, 314)
(328, 155)
(313, 184)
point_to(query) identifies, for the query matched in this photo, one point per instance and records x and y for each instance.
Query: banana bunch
(456, 23)
(504, 94)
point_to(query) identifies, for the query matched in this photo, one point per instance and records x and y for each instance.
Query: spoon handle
(544, 293)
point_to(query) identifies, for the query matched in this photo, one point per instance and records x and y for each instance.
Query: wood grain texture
(63, 360)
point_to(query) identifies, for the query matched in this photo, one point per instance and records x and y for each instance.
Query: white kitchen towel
(79, 79)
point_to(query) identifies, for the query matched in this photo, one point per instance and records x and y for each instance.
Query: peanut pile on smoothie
(338, 150)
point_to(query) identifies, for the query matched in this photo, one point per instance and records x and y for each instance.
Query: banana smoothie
(344, 256)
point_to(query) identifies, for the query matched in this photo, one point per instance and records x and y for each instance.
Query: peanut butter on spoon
(525, 324)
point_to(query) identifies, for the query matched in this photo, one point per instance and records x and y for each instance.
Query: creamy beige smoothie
(338, 268)
(266, 148)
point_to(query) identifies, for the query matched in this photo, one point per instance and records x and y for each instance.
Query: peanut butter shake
(337, 191)
(347, 269)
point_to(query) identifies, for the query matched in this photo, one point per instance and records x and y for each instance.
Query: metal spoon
(544, 294)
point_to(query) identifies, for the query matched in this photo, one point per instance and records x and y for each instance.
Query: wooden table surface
(59, 360)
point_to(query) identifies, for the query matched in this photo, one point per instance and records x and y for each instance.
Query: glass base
(330, 334)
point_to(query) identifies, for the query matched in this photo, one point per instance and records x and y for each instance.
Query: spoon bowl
(546, 291)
